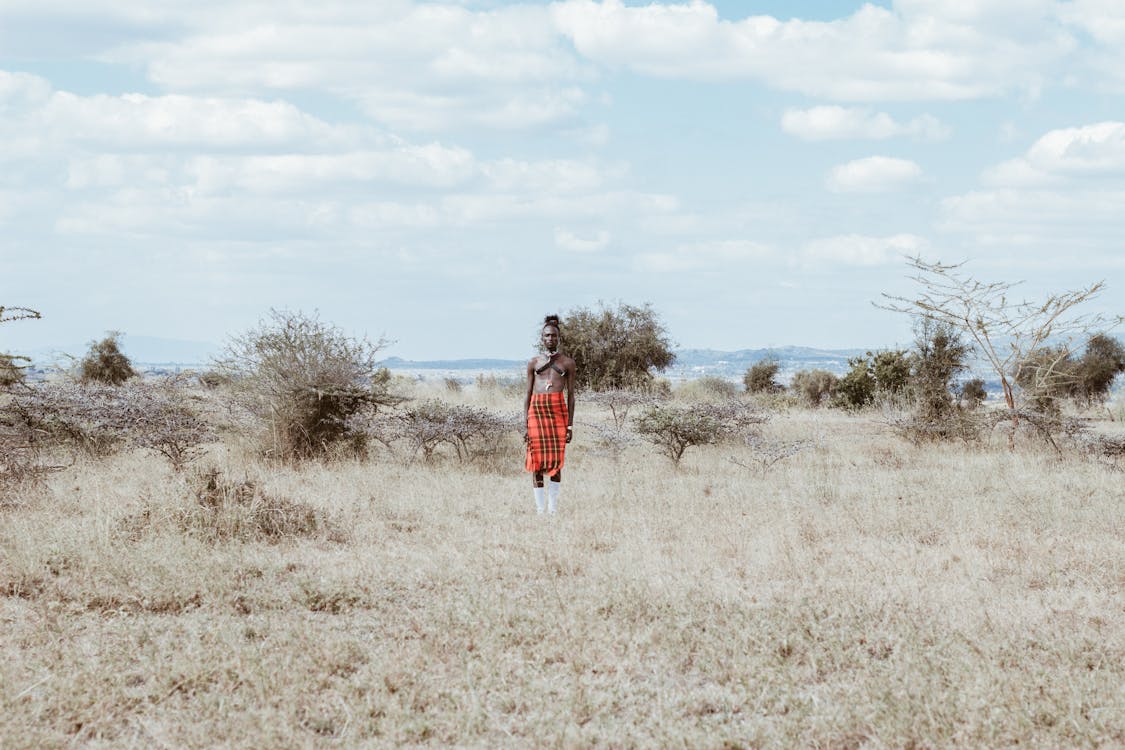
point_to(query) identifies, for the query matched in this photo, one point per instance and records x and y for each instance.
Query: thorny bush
(673, 428)
(472, 432)
(100, 419)
(304, 381)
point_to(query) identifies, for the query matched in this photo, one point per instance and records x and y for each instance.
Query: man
(550, 418)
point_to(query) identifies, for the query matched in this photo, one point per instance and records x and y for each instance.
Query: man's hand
(569, 433)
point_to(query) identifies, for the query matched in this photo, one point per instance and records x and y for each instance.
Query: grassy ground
(863, 593)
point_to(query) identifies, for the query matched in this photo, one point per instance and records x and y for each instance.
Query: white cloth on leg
(540, 499)
(553, 496)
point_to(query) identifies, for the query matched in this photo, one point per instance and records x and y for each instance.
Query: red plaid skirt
(546, 429)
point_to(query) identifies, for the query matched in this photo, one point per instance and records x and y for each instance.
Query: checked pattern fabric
(546, 432)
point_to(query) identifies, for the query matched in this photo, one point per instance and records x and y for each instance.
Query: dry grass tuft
(225, 509)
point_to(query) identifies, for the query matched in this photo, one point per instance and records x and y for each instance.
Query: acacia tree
(1010, 335)
(616, 347)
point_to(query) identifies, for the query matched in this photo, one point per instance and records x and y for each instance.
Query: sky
(442, 174)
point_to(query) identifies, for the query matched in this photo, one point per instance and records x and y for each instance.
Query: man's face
(550, 338)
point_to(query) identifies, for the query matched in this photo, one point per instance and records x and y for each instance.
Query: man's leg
(540, 492)
(553, 488)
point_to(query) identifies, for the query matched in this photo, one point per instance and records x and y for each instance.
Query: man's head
(550, 334)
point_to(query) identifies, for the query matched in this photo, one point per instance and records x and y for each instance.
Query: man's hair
(552, 320)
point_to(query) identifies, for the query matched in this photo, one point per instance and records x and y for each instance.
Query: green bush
(105, 363)
(615, 347)
(938, 358)
(762, 377)
(304, 381)
(973, 393)
(1101, 362)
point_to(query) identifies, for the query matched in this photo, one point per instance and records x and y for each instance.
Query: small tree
(814, 386)
(105, 363)
(616, 347)
(304, 380)
(973, 393)
(938, 358)
(1005, 332)
(762, 377)
(673, 428)
(1102, 361)
(856, 389)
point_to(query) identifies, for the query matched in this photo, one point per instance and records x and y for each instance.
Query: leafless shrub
(227, 510)
(472, 432)
(612, 440)
(618, 402)
(453, 385)
(100, 419)
(764, 454)
(303, 380)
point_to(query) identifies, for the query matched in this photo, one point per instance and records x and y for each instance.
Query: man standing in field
(550, 417)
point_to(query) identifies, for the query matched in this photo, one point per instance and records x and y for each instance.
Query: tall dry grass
(863, 592)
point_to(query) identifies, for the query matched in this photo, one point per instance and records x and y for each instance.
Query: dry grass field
(862, 593)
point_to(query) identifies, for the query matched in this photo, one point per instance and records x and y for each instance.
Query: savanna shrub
(762, 377)
(673, 428)
(813, 386)
(973, 393)
(99, 419)
(471, 432)
(105, 363)
(615, 347)
(857, 387)
(303, 380)
(938, 358)
(1102, 361)
(873, 376)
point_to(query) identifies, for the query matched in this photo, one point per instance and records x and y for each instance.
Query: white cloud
(1089, 152)
(916, 51)
(566, 240)
(419, 66)
(834, 122)
(724, 255)
(861, 250)
(873, 174)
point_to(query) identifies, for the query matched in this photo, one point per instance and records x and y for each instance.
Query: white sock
(540, 499)
(553, 496)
